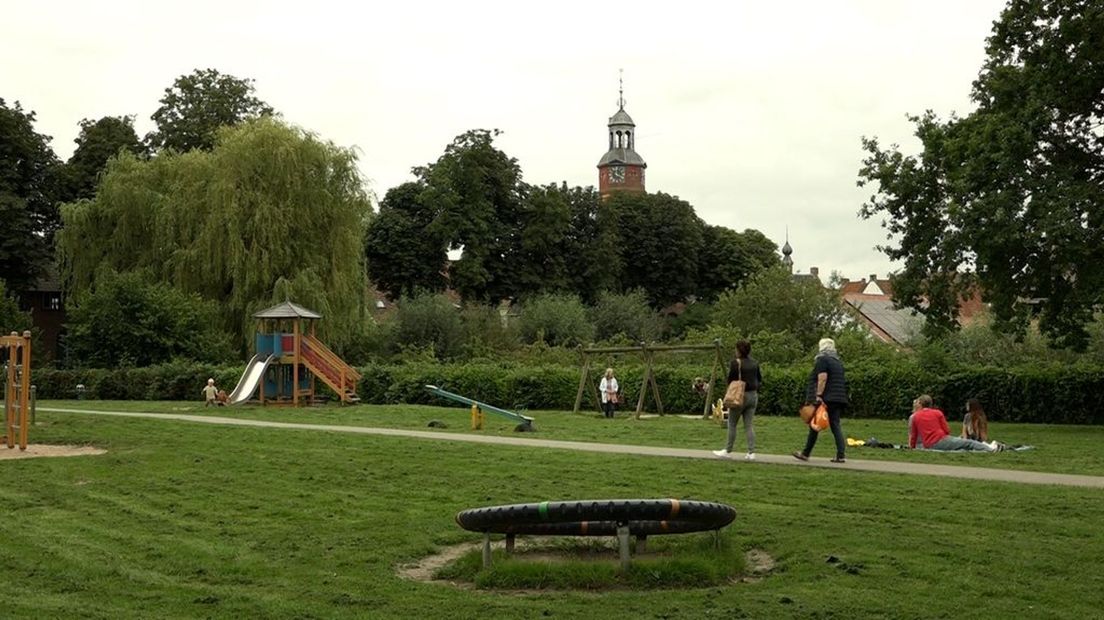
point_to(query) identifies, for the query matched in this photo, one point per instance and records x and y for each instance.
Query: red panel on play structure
(287, 343)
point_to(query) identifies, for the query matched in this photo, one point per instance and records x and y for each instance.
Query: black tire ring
(645, 517)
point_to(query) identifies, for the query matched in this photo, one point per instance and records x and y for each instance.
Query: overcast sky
(751, 111)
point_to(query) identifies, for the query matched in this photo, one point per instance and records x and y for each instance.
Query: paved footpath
(893, 467)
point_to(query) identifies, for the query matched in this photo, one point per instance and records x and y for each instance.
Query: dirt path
(892, 467)
(46, 451)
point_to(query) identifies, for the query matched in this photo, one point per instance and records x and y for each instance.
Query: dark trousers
(608, 408)
(835, 410)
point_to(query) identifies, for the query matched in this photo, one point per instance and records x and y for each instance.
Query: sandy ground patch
(41, 450)
(759, 562)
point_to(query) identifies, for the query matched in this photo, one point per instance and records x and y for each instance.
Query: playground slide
(254, 372)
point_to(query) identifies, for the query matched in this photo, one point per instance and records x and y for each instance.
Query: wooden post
(655, 386)
(295, 367)
(25, 391)
(487, 550)
(313, 387)
(510, 542)
(582, 381)
(261, 383)
(623, 545)
(712, 379)
(10, 395)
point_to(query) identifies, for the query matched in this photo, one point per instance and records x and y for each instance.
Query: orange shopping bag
(820, 418)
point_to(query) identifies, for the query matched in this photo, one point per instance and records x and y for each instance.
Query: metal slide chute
(251, 379)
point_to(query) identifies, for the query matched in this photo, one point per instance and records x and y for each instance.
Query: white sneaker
(724, 454)
(750, 456)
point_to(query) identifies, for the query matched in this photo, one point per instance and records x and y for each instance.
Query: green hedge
(1065, 395)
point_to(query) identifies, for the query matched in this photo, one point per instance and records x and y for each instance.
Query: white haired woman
(828, 385)
(609, 390)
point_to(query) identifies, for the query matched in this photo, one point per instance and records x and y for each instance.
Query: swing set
(648, 353)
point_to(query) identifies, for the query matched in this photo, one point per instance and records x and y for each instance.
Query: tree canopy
(271, 213)
(773, 301)
(405, 254)
(1014, 189)
(28, 197)
(520, 240)
(98, 142)
(198, 104)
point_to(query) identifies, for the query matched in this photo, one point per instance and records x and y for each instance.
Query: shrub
(555, 319)
(12, 319)
(487, 332)
(429, 320)
(627, 314)
(1016, 394)
(773, 301)
(126, 320)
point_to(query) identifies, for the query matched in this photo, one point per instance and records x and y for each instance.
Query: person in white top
(610, 392)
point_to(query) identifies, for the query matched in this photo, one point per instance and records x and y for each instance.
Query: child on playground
(210, 394)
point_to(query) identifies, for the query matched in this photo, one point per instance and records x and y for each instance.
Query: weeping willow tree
(272, 213)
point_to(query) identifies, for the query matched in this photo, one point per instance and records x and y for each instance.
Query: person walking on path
(610, 393)
(828, 385)
(928, 426)
(743, 368)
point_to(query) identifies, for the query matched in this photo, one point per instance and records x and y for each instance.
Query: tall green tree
(271, 212)
(592, 243)
(475, 191)
(773, 301)
(538, 261)
(98, 142)
(1013, 189)
(405, 253)
(661, 239)
(728, 258)
(198, 104)
(28, 197)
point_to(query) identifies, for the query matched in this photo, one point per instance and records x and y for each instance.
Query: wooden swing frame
(648, 352)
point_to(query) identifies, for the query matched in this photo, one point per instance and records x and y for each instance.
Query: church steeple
(787, 261)
(621, 168)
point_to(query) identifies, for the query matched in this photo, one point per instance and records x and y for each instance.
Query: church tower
(621, 168)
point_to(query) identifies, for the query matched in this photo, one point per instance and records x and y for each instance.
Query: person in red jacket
(929, 426)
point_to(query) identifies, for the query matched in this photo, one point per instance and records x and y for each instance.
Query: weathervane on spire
(621, 89)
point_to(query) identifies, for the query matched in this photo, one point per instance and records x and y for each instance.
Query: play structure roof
(287, 310)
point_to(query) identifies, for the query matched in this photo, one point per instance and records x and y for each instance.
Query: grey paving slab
(891, 467)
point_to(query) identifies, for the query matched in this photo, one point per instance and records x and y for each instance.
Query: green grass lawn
(186, 520)
(1058, 448)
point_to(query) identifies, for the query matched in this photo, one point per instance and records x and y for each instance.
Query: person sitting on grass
(975, 425)
(928, 426)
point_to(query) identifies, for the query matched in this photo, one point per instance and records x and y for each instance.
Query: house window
(53, 301)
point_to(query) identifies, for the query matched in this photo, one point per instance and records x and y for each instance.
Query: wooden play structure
(648, 353)
(289, 358)
(17, 387)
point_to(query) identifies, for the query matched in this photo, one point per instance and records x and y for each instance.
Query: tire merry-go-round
(608, 517)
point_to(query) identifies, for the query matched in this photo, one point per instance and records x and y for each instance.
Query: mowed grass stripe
(978, 473)
(312, 525)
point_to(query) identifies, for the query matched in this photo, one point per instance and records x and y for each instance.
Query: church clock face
(617, 174)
